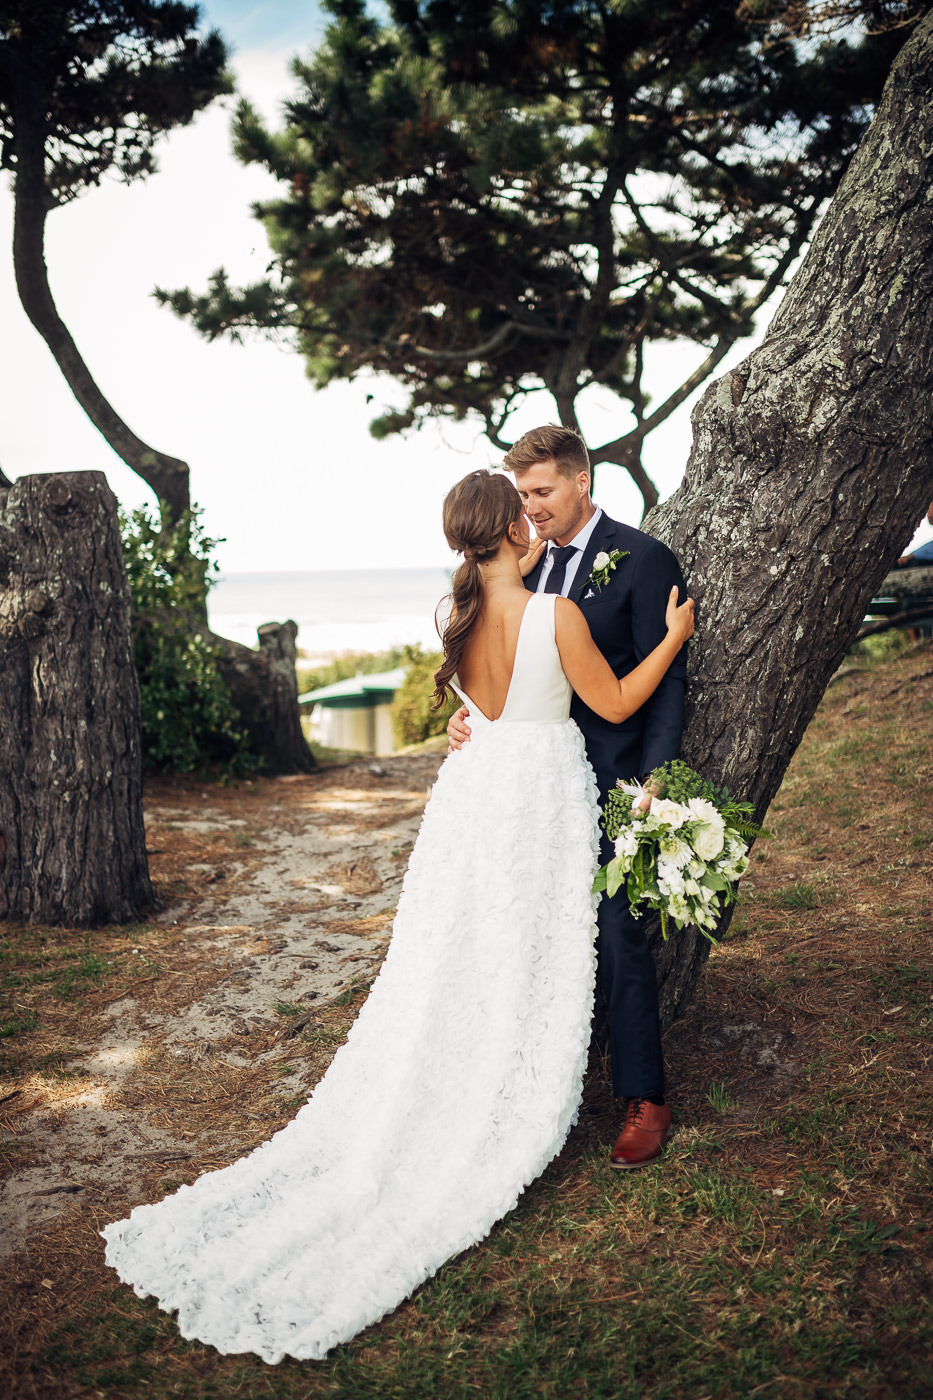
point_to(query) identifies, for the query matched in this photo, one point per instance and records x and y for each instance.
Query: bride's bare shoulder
(567, 613)
(571, 632)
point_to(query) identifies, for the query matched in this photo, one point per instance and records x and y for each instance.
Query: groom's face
(556, 505)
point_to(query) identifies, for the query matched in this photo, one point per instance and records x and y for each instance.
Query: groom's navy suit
(626, 620)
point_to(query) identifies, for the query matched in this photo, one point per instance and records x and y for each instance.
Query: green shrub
(188, 718)
(881, 647)
(347, 665)
(413, 717)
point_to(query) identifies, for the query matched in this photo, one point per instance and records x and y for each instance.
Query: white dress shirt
(580, 540)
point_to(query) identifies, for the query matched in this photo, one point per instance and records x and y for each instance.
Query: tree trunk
(907, 583)
(72, 843)
(264, 689)
(167, 476)
(811, 464)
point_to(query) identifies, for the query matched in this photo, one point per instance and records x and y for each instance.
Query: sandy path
(298, 907)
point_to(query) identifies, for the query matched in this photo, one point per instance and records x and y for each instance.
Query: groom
(625, 615)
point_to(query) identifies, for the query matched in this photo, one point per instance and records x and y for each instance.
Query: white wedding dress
(460, 1078)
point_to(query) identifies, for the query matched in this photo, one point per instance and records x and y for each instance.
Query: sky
(286, 475)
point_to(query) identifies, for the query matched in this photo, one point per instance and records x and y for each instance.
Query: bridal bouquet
(685, 855)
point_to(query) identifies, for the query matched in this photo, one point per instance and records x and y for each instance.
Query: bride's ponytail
(477, 513)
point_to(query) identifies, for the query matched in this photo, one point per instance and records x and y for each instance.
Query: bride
(463, 1071)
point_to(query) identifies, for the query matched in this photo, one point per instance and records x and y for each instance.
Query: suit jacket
(626, 620)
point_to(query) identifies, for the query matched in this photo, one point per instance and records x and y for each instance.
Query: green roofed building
(355, 714)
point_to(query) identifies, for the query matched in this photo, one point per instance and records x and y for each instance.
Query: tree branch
(630, 458)
(712, 304)
(474, 352)
(718, 352)
(908, 618)
(167, 476)
(496, 422)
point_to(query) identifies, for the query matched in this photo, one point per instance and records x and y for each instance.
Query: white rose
(626, 843)
(601, 560)
(668, 812)
(708, 841)
(705, 811)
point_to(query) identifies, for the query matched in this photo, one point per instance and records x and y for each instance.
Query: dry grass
(781, 1250)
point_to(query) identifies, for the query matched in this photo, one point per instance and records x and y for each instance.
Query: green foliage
(881, 647)
(347, 665)
(679, 782)
(682, 861)
(414, 719)
(797, 896)
(109, 77)
(188, 719)
(484, 197)
(719, 1099)
(17, 1024)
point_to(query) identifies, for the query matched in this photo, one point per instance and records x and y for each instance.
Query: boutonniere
(603, 565)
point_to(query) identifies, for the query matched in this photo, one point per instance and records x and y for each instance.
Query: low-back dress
(462, 1073)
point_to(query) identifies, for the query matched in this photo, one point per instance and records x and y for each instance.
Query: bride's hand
(529, 560)
(679, 619)
(651, 789)
(458, 731)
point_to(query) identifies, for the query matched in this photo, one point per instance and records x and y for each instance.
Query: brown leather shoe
(647, 1129)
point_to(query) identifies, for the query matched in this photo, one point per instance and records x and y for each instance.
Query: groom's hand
(458, 731)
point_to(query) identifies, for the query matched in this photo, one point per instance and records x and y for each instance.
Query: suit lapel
(601, 538)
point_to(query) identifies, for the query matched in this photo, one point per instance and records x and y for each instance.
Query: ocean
(346, 610)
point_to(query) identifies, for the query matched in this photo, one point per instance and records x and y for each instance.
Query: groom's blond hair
(549, 443)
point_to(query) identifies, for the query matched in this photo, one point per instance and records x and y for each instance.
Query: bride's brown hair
(477, 514)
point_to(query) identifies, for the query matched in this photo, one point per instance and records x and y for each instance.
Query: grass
(288, 1008)
(781, 1250)
(796, 896)
(719, 1099)
(18, 1023)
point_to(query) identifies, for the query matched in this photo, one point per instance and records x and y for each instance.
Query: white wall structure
(355, 714)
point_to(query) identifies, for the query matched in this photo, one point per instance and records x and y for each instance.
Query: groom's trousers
(629, 984)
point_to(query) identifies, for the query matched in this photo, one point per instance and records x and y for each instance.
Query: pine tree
(483, 199)
(86, 90)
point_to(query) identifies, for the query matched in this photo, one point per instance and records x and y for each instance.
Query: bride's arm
(590, 674)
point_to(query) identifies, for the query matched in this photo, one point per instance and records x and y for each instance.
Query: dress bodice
(539, 692)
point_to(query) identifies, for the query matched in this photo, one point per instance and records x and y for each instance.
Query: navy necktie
(562, 556)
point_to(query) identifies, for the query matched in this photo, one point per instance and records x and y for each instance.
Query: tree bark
(167, 476)
(72, 842)
(811, 463)
(264, 689)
